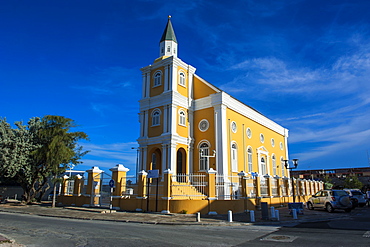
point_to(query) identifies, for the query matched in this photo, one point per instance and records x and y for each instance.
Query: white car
(356, 193)
(330, 200)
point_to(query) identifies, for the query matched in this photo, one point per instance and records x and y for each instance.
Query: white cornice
(167, 61)
(167, 98)
(239, 107)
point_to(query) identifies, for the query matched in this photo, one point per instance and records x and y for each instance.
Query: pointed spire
(169, 33)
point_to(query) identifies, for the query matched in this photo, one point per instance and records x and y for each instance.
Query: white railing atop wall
(228, 187)
(188, 185)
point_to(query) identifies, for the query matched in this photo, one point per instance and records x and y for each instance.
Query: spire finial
(169, 17)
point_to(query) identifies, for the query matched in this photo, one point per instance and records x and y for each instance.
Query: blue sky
(303, 64)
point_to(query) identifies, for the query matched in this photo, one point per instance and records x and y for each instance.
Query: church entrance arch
(156, 160)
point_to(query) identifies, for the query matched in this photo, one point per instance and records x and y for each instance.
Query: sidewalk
(45, 209)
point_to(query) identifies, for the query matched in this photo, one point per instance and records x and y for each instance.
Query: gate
(104, 190)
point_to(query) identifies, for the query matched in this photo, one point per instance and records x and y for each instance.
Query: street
(47, 231)
(32, 230)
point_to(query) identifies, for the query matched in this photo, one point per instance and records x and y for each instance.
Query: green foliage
(31, 154)
(352, 182)
(183, 211)
(327, 183)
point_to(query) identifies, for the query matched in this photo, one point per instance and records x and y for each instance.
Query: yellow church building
(188, 125)
(200, 150)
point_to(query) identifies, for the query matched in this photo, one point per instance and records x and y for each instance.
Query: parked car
(330, 200)
(356, 193)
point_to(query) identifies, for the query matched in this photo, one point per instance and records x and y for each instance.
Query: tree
(41, 150)
(352, 182)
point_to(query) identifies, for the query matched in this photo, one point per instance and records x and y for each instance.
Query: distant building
(332, 173)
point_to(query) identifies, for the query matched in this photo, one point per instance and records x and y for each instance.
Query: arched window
(182, 118)
(182, 79)
(263, 166)
(154, 161)
(203, 161)
(156, 117)
(157, 78)
(273, 165)
(234, 157)
(282, 164)
(250, 164)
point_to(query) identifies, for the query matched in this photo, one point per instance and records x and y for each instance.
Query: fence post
(167, 190)
(243, 182)
(93, 184)
(279, 184)
(77, 185)
(119, 176)
(64, 185)
(211, 181)
(269, 185)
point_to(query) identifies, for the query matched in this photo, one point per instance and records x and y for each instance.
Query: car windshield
(356, 193)
(339, 193)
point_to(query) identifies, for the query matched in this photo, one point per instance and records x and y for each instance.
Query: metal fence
(189, 186)
(264, 186)
(227, 187)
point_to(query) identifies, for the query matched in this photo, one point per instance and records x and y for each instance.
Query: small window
(262, 138)
(249, 133)
(168, 49)
(203, 125)
(157, 79)
(234, 128)
(182, 118)
(281, 146)
(182, 79)
(156, 114)
(272, 142)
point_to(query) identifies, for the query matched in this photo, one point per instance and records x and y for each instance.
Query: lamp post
(287, 166)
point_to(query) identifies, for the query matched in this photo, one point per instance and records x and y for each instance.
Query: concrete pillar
(77, 188)
(119, 176)
(211, 181)
(64, 185)
(93, 184)
(167, 190)
(243, 181)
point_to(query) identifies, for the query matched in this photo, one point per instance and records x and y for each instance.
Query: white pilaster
(221, 140)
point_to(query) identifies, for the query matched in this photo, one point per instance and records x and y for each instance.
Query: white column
(164, 158)
(165, 119)
(222, 162)
(189, 158)
(147, 87)
(143, 89)
(146, 123)
(173, 76)
(173, 120)
(166, 78)
(172, 164)
(144, 158)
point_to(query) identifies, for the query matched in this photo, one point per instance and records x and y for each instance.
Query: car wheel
(348, 210)
(309, 206)
(329, 208)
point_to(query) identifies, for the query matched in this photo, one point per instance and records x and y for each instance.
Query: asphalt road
(33, 230)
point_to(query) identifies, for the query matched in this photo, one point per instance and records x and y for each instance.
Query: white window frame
(157, 78)
(273, 158)
(182, 118)
(263, 166)
(234, 157)
(182, 79)
(250, 159)
(204, 161)
(156, 117)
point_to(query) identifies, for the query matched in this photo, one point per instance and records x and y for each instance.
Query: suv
(330, 200)
(356, 193)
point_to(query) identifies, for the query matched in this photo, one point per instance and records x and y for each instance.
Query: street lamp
(287, 166)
